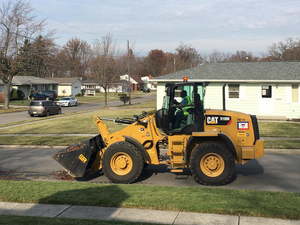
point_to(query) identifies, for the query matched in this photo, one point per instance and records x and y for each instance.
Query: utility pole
(128, 64)
(174, 64)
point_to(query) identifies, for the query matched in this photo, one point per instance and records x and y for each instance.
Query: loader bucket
(77, 158)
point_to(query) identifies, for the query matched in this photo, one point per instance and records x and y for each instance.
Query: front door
(266, 104)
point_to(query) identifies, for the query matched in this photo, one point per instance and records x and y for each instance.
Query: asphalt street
(273, 172)
(21, 116)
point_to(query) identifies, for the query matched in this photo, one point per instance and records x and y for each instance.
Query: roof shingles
(240, 71)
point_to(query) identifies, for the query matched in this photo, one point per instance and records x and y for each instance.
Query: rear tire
(122, 163)
(59, 111)
(47, 113)
(212, 164)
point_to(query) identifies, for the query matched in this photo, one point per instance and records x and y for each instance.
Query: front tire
(212, 164)
(122, 163)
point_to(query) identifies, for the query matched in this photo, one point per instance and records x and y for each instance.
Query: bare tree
(105, 64)
(16, 24)
(287, 50)
(186, 57)
(155, 62)
(78, 56)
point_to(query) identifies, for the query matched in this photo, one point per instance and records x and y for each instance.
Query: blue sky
(249, 25)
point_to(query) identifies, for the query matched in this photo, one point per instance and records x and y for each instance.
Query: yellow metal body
(140, 133)
(239, 140)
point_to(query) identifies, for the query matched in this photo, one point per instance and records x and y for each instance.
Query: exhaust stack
(224, 107)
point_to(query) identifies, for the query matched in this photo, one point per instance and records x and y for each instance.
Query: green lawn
(185, 199)
(279, 129)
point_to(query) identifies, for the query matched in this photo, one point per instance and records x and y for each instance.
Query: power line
(67, 24)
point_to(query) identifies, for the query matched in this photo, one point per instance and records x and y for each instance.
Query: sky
(207, 25)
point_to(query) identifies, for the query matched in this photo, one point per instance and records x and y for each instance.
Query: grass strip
(282, 144)
(11, 110)
(283, 205)
(21, 220)
(279, 129)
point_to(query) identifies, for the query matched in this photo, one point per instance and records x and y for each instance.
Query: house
(148, 84)
(266, 89)
(31, 83)
(136, 82)
(67, 85)
(93, 85)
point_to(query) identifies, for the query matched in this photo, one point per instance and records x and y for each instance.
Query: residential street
(20, 116)
(273, 172)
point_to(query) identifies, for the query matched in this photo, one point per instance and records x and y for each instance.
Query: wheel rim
(212, 165)
(121, 163)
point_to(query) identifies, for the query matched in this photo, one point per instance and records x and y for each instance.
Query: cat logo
(212, 120)
(218, 120)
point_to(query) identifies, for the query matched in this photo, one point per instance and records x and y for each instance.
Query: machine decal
(243, 125)
(82, 158)
(218, 120)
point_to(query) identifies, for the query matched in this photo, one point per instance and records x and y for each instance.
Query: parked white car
(68, 101)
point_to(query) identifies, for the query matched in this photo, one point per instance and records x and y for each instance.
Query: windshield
(65, 98)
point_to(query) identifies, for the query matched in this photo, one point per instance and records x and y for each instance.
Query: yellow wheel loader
(209, 142)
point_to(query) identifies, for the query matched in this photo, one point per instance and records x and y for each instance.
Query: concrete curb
(133, 215)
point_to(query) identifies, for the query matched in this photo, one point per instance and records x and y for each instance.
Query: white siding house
(266, 89)
(68, 86)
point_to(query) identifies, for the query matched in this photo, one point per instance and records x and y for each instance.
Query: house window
(234, 90)
(266, 91)
(295, 94)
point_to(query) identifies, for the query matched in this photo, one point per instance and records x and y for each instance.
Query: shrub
(13, 95)
(21, 94)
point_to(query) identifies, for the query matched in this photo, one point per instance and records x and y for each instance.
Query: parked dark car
(43, 108)
(51, 93)
(43, 95)
(146, 90)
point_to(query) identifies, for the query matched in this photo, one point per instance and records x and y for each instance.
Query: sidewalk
(133, 215)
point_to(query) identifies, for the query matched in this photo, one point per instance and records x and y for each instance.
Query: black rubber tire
(31, 115)
(69, 104)
(47, 113)
(132, 152)
(59, 112)
(213, 148)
